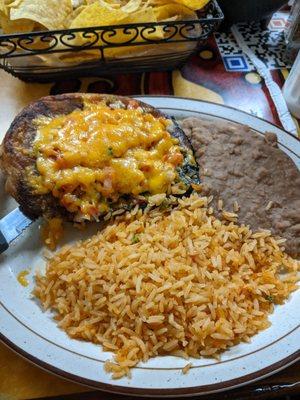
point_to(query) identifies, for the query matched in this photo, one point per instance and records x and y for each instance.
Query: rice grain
(192, 285)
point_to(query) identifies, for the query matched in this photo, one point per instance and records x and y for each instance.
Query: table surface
(210, 75)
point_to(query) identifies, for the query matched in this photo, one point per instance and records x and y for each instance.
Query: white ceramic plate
(34, 335)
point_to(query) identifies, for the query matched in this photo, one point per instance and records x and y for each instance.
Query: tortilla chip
(73, 15)
(98, 15)
(52, 14)
(132, 6)
(27, 15)
(78, 3)
(193, 4)
(11, 3)
(147, 50)
(19, 26)
(170, 10)
(2, 8)
(112, 3)
(158, 3)
(79, 58)
(109, 4)
(141, 16)
(146, 15)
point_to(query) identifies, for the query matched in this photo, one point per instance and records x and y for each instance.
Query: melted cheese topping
(97, 154)
(22, 278)
(52, 231)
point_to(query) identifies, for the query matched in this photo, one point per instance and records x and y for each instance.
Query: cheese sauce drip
(93, 156)
(22, 278)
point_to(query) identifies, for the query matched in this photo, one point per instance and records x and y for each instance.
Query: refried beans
(245, 170)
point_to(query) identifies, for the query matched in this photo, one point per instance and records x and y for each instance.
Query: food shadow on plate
(7, 204)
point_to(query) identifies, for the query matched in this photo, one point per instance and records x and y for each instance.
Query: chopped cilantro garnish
(135, 239)
(270, 298)
(110, 151)
(164, 205)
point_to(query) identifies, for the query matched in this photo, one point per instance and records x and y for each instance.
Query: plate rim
(297, 137)
(185, 392)
(167, 392)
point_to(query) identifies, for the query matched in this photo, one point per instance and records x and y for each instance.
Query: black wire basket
(52, 55)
